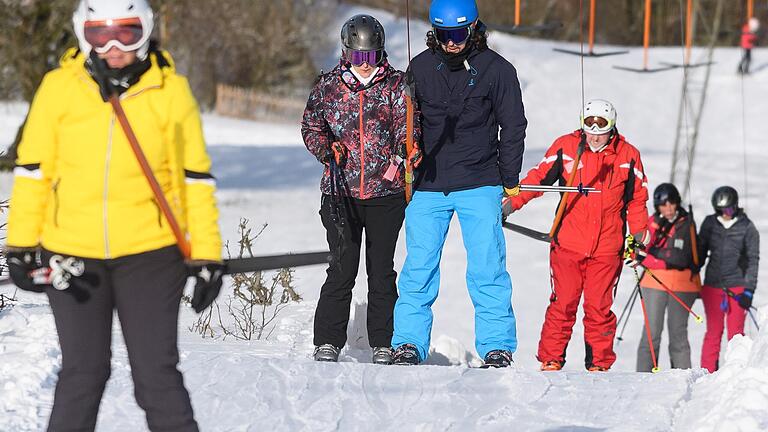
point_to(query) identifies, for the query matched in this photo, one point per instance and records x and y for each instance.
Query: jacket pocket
(159, 212)
(55, 189)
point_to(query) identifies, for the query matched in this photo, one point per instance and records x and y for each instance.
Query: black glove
(208, 283)
(745, 299)
(21, 263)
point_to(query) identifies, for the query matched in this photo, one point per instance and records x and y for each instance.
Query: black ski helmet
(665, 192)
(724, 197)
(362, 33)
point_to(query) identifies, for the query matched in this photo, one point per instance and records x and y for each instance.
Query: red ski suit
(586, 250)
(748, 38)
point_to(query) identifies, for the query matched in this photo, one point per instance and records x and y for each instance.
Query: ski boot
(406, 355)
(549, 366)
(382, 355)
(497, 359)
(326, 353)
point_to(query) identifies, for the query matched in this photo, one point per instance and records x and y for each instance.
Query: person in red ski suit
(748, 41)
(588, 242)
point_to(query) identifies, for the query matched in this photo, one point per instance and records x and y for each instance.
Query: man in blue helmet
(473, 131)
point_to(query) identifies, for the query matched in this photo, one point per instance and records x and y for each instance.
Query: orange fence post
(646, 33)
(591, 26)
(688, 32)
(517, 13)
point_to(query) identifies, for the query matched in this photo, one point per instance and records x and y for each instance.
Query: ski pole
(631, 245)
(630, 305)
(647, 327)
(753, 319)
(698, 318)
(735, 297)
(409, 94)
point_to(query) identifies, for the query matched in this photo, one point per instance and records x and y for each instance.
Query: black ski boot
(382, 356)
(406, 355)
(326, 353)
(498, 359)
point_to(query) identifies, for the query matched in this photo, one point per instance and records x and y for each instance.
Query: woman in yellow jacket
(84, 218)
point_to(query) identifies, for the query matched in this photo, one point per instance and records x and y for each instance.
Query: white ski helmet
(753, 24)
(599, 117)
(105, 13)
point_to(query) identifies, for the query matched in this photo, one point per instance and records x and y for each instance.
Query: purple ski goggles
(357, 58)
(456, 35)
(728, 211)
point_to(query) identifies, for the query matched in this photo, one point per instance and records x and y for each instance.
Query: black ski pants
(381, 219)
(145, 289)
(746, 59)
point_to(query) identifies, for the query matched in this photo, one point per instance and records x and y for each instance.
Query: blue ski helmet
(452, 13)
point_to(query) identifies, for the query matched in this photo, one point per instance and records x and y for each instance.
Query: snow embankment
(30, 355)
(735, 397)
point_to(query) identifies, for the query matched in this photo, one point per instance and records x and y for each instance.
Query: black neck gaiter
(455, 61)
(115, 80)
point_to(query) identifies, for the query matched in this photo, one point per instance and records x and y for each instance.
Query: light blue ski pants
(427, 218)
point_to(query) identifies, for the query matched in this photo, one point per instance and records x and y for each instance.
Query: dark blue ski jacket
(473, 123)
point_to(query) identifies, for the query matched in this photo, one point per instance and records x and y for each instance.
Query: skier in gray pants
(671, 259)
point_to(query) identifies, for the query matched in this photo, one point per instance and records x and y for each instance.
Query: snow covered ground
(266, 175)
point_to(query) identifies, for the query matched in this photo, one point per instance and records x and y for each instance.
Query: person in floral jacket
(355, 124)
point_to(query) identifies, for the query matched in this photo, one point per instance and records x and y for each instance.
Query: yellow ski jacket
(78, 189)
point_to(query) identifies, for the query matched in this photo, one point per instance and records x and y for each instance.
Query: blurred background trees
(262, 44)
(268, 45)
(618, 22)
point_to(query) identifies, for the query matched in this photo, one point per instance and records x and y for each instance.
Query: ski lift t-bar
(546, 188)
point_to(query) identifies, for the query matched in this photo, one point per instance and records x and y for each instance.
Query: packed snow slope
(267, 176)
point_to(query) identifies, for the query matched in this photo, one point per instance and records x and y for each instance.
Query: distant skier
(748, 41)
(586, 251)
(732, 244)
(80, 197)
(473, 141)
(355, 124)
(670, 255)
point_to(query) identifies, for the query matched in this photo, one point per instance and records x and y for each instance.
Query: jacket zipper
(107, 162)
(362, 149)
(106, 186)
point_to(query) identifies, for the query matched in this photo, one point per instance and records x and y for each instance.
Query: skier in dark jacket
(473, 130)
(355, 124)
(732, 243)
(671, 258)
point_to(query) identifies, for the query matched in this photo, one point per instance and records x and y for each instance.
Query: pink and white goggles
(127, 34)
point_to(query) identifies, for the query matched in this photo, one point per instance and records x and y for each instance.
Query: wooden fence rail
(247, 103)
